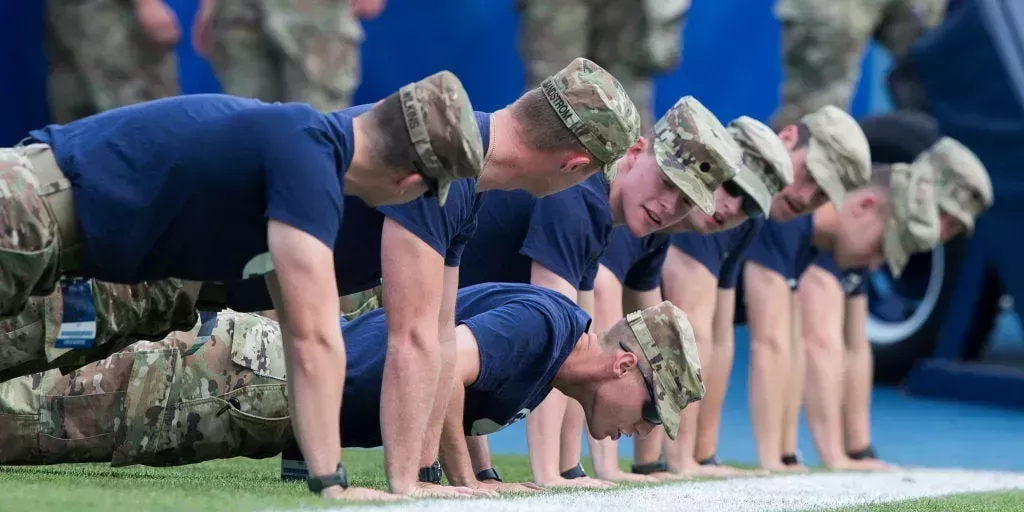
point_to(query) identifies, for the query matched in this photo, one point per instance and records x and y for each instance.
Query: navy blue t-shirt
(853, 281)
(524, 334)
(183, 187)
(636, 262)
(566, 232)
(357, 263)
(721, 253)
(784, 247)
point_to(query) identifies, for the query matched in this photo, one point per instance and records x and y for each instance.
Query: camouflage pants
(823, 42)
(100, 59)
(214, 393)
(287, 50)
(124, 314)
(632, 40)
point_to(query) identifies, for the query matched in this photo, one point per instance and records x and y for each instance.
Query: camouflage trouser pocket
(321, 43)
(22, 339)
(228, 398)
(29, 240)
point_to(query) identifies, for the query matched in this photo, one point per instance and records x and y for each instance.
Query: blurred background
(947, 337)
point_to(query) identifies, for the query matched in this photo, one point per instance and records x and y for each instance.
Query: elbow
(421, 339)
(311, 353)
(817, 345)
(769, 343)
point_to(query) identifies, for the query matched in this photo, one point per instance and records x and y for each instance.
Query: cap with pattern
(838, 156)
(665, 338)
(596, 109)
(913, 225)
(767, 167)
(695, 151)
(964, 187)
(443, 130)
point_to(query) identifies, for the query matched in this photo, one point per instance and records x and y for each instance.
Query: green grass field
(245, 484)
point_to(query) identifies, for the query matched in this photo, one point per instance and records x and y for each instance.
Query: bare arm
(454, 450)
(447, 383)
(413, 280)
(305, 295)
(543, 426)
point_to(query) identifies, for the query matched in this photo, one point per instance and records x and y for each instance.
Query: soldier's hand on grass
(494, 485)
(359, 494)
(428, 490)
(584, 482)
(668, 476)
(621, 476)
(158, 21)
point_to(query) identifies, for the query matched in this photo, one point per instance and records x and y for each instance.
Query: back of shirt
(636, 262)
(566, 232)
(524, 333)
(357, 254)
(182, 187)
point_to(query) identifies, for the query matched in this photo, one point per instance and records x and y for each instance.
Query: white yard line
(763, 494)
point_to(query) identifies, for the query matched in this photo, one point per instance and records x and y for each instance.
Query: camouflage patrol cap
(767, 167)
(596, 109)
(964, 188)
(443, 129)
(695, 151)
(666, 340)
(913, 225)
(838, 156)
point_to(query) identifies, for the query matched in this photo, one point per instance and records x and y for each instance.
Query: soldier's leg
(320, 42)
(245, 62)
(822, 45)
(125, 314)
(29, 237)
(551, 34)
(635, 41)
(903, 21)
(66, 90)
(117, 62)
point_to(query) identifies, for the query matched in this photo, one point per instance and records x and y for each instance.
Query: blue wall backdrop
(731, 57)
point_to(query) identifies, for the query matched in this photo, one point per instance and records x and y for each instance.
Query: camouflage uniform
(767, 166)
(101, 59)
(913, 225)
(823, 41)
(633, 40)
(220, 391)
(288, 50)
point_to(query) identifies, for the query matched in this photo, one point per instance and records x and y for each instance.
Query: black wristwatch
(488, 474)
(431, 474)
(657, 466)
(574, 472)
(317, 484)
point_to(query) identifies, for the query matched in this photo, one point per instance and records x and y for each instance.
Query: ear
(636, 150)
(624, 363)
(789, 136)
(865, 203)
(574, 162)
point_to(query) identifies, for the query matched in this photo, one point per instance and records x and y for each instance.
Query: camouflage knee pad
(29, 237)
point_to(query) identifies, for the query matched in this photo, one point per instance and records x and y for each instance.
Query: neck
(359, 169)
(501, 164)
(825, 222)
(615, 194)
(581, 368)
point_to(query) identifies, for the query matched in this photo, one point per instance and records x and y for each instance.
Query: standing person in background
(632, 40)
(285, 50)
(107, 54)
(823, 42)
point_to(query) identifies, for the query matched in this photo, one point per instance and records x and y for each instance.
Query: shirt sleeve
(565, 237)
(645, 275)
(424, 218)
(467, 228)
(303, 189)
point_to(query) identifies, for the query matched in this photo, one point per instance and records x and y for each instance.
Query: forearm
(411, 372)
(543, 426)
(480, 452)
(316, 377)
(647, 449)
(454, 450)
(445, 391)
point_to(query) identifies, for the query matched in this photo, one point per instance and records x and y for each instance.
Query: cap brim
(442, 191)
(747, 181)
(609, 170)
(952, 209)
(669, 419)
(816, 164)
(895, 255)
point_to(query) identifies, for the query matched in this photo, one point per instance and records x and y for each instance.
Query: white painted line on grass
(755, 494)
